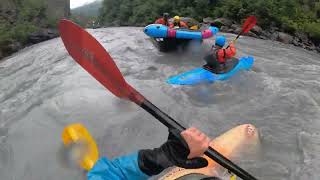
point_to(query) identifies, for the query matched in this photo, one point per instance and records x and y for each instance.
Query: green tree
(288, 15)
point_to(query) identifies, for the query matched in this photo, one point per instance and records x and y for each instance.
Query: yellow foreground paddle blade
(77, 134)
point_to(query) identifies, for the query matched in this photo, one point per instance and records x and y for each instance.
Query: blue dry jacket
(121, 168)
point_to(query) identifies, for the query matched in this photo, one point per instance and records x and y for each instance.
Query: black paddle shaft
(213, 154)
(236, 38)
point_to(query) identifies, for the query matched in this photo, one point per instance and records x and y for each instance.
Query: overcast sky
(77, 3)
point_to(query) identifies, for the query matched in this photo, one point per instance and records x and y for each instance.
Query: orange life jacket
(162, 21)
(223, 54)
(181, 24)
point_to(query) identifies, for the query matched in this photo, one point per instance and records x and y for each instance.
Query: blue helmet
(220, 41)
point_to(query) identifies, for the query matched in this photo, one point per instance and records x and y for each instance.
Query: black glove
(174, 152)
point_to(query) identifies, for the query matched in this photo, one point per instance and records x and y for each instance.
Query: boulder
(274, 29)
(224, 29)
(42, 35)
(203, 26)
(251, 34)
(230, 30)
(237, 30)
(208, 20)
(221, 22)
(266, 34)
(264, 37)
(285, 38)
(235, 26)
(116, 23)
(311, 47)
(257, 30)
(302, 36)
(296, 41)
(318, 49)
(274, 36)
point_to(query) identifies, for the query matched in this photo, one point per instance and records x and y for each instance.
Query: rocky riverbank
(225, 25)
(24, 23)
(298, 39)
(34, 38)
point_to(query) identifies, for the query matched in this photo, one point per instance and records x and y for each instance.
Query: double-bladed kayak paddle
(91, 55)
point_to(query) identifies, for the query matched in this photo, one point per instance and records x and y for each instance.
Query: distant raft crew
(177, 23)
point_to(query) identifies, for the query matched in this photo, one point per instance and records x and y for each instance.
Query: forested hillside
(88, 10)
(87, 15)
(19, 19)
(288, 15)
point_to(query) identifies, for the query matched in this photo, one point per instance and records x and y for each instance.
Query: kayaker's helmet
(176, 19)
(220, 41)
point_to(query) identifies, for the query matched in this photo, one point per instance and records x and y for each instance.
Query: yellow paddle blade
(87, 150)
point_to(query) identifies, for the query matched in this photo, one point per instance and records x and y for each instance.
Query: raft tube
(162, 31)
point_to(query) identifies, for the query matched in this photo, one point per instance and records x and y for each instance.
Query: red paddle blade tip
(249, 23)
(92, 56)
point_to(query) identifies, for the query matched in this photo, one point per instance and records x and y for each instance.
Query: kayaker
(164, 20)
(177, 23)
(216, 59)
(185, 151)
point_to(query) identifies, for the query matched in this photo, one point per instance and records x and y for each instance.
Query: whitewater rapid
(42, 90)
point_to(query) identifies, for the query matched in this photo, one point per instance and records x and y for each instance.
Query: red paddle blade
(249, 23)
(90, 54)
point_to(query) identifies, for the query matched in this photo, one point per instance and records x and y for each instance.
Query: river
(43, 90)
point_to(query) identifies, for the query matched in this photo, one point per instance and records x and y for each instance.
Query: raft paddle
(247, 26)
(91, 55)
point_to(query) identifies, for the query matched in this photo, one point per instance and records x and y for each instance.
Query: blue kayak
(162, 31)
(201, 75)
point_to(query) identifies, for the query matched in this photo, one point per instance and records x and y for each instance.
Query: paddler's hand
(184, 151)
(197, 142)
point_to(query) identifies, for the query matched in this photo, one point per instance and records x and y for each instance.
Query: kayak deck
(201, 75)
(229, 65)
(230, 144)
